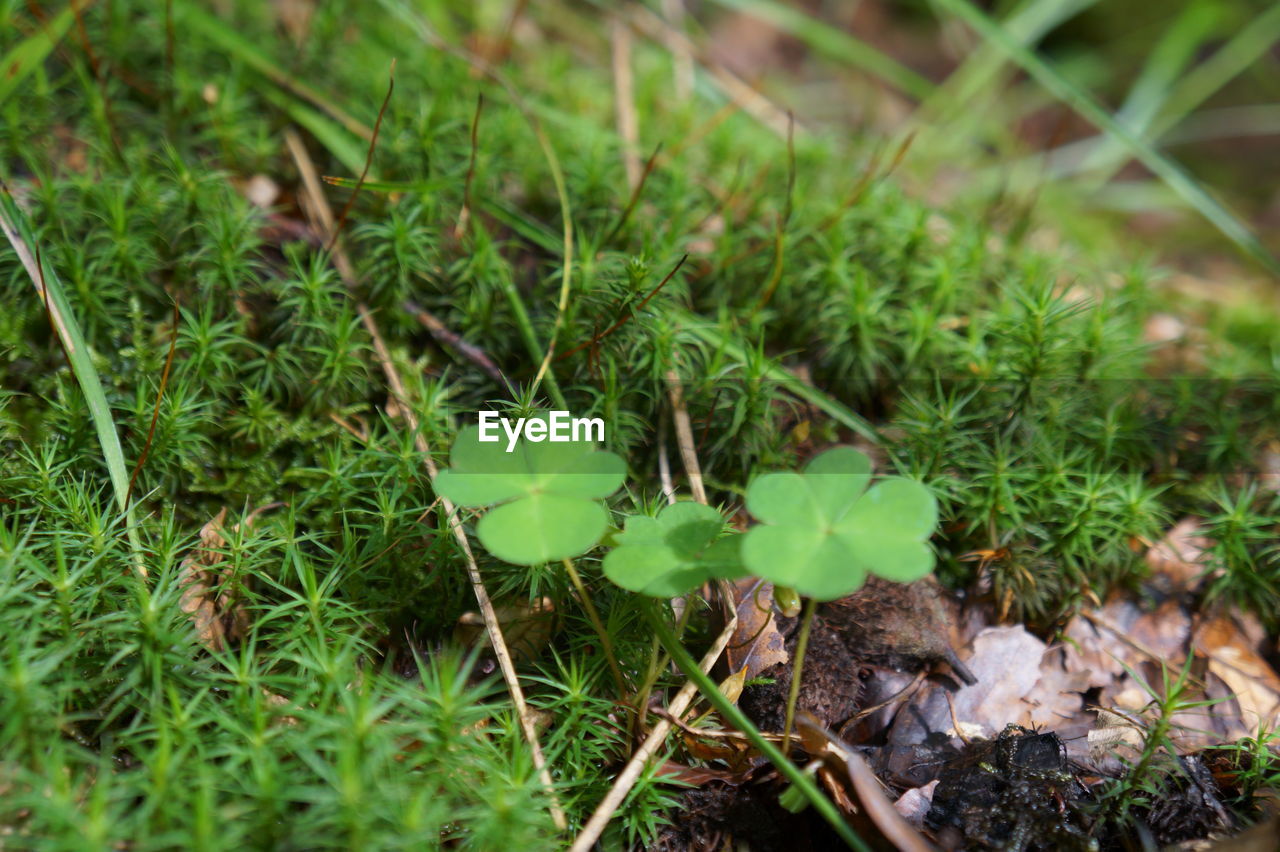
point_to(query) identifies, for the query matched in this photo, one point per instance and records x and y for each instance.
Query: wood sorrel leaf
(673, 553)
(823, 531)
(546, 493)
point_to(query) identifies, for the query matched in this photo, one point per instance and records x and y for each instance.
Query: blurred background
(1196, 81)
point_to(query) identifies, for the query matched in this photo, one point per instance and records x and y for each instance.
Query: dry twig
(324, 214)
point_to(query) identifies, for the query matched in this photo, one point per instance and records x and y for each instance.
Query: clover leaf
(546, 494)
(673, 553)
(823, 531)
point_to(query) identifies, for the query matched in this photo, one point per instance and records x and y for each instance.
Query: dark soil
(1016, 792)
(718, 816)
(829, 689)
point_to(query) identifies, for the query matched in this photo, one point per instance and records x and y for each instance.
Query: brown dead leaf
(1179, 557)
(697, 776)
(1231, 657)
(757, 645)
(1101, 642)
(207, 593)
(527, 627)
(1019, 681)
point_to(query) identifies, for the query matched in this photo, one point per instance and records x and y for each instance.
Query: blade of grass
(837, 410)
(802, 781)
(27, 54)
(1173, 53)
(1029, 23)
(336, 140)
(1084, 104)
(834, 44)
(17, 229)
(1229, 61)
(228, 39)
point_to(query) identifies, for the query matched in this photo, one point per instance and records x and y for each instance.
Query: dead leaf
(757, 645)
(207, 595)
(1101, 642)
(915, 803)
(527, 627)
(697, 776)
(1011, 687)
(1115, 741)
(1255, 685)
(1179, 557)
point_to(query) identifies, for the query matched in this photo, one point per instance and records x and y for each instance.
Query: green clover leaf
(546, 494)
(673, 553)
(823, 531)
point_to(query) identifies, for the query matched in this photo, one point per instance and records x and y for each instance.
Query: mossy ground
(1013, 381)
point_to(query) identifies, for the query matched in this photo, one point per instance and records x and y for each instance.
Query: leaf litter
(987, 735)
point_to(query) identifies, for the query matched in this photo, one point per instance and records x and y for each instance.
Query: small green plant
(546, 494)
(824, 531)
(674, 553)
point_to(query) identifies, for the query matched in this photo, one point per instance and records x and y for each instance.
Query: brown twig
(636, 189)
(311, 184)
(368, 160)
(684, 437)
(155, 412)
(625, 316)
(635, 766)
(448, 337)
(464, 215)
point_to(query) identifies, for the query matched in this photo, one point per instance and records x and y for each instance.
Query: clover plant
(824, 531)
(675, 552)
(546, 495)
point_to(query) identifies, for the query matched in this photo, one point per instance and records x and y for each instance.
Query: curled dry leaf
(915, 803)
(757, 645)
(1253, 683)
(527, 626)
(849, 767)
(208, 594)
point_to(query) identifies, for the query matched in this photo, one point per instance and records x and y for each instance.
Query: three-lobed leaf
(825, 530)
(546, 494)
(673, 553)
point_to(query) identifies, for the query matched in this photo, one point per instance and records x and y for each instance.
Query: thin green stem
(797, 671)
(739, 720)
(592, 614)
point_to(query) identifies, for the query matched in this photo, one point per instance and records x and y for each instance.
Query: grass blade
(27, 55)
(17, 229)
(840, 412)
(834, 44)
(1171, 173)
(252, 55)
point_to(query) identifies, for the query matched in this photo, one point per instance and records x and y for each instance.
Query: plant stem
(590, 607)
(797, 670)
(739, 720)
(657, 662)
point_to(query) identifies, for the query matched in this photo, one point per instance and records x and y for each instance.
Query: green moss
(1010, 381)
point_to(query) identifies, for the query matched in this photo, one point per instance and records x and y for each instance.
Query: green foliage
(546, 493)
(1007, 379)
(675, 552)
(824, 532)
